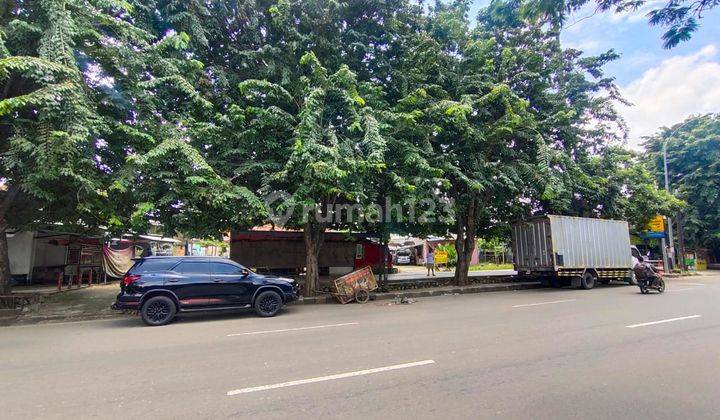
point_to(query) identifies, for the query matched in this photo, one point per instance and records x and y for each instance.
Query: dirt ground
(86, 303)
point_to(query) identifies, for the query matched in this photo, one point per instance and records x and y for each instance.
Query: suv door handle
(173, 280)
(217, 280)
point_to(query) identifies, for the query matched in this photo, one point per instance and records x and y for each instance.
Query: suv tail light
(130, 279)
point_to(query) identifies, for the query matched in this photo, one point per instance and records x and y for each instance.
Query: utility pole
(681, 240)
(663, 244)
(667, 188)
(669, 259)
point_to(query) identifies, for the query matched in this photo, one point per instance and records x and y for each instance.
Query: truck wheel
(588, 281)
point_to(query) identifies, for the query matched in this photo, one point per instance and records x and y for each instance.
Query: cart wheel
(362, 296)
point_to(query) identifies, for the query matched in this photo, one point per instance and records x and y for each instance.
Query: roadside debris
(402, 300)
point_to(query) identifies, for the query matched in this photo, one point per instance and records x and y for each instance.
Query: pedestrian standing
(430, 262)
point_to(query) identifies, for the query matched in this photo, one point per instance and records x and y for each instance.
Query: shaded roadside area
(71, 305)
(94, 302)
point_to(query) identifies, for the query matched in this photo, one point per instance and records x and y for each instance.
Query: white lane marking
(330, 377)
(544, 303)
(662, 321)
(691, 284)
(294, 329)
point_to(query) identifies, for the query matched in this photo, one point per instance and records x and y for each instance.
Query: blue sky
(665, 86)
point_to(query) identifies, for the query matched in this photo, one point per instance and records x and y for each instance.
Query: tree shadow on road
(193, 317)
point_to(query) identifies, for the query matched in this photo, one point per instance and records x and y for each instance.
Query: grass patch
(491, 266)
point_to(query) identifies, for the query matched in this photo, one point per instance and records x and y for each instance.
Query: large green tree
(53, 109)
(88, 91)
(507, 114)
(693, 163)
(337, 146)
(259, 87)
(616, 184)
(470, 124)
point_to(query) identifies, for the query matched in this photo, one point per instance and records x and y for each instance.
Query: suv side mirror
(245, 272)
(641, 259)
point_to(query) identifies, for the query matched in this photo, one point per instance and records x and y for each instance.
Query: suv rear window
(146, 266)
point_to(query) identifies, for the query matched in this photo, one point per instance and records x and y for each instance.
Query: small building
(146, 245)
(419, 248)
(38, 257)
(283, 251)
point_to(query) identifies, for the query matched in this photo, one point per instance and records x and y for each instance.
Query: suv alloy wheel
(158, 310)
(268, 303)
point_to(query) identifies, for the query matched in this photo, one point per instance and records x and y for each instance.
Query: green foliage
(491, 266)
(693, 158)
(613, 184)
(337, 143)
(88, 87)
(679, 17)
(185, 113)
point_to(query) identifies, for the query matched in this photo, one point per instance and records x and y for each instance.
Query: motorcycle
(648, 278)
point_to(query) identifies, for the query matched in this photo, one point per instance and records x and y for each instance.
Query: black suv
(160, 287)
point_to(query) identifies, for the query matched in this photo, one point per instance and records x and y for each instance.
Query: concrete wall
(20, 250)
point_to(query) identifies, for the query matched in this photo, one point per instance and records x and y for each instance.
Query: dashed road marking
(663, 321)
(329, 377)
(543, 303)
(294, 329)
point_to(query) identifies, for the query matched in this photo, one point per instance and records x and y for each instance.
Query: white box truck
(579, 251)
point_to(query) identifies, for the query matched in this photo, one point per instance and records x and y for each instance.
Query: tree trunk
(313, 236)
(4, 261)
(465, 243)
(7, 201)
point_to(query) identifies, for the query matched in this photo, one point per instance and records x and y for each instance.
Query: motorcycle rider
(644, 272)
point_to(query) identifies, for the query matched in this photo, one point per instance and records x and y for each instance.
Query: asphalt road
(542, 354)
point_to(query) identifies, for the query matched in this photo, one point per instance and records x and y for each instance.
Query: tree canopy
(693, 164)
(190, 114)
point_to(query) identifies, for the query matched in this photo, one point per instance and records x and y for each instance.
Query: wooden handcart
(355, 286)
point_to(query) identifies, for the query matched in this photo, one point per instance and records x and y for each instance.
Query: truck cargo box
(567, 246)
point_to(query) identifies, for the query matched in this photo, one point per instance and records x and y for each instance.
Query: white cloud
(637, 15)
(642, 58)
(666, 94)
(587, 46)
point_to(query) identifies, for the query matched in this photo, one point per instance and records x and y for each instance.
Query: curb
(53, 319)
(326, 299)
(417, 293)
